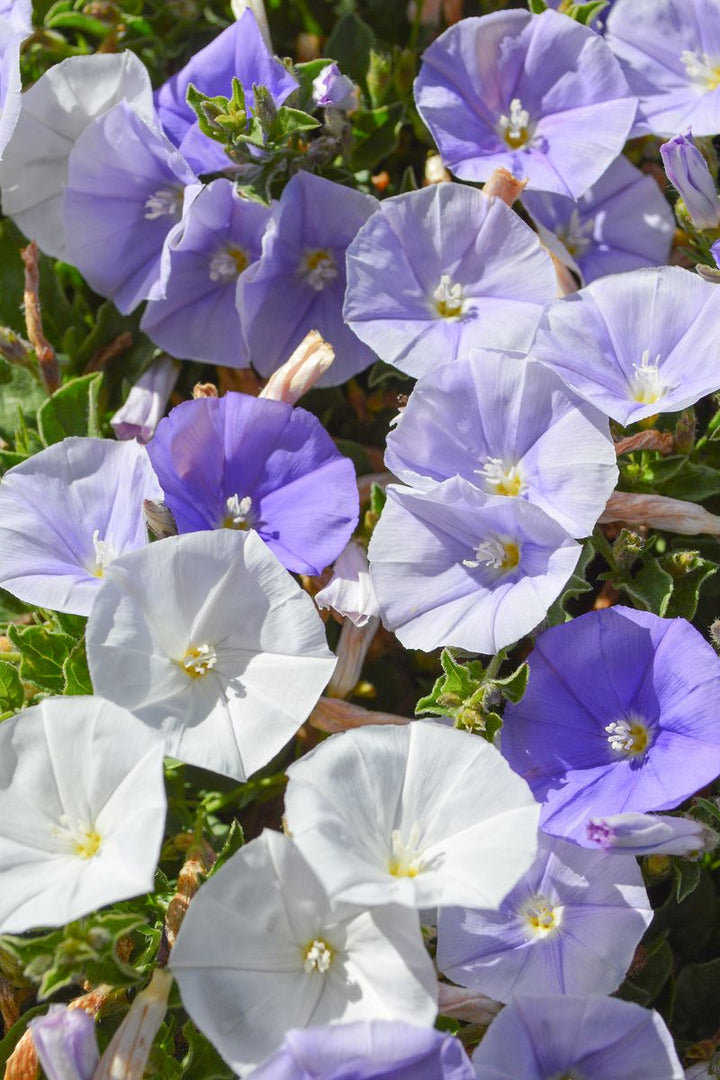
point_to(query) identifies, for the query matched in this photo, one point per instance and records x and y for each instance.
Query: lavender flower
(365, 1050)
(219, 236)
(66, 1043)
(453, 566)
(670, 53)
(240, 462)
(145, 404)
(688, 172)
(623, 222)
(647, 834)
(66, 513)
(515, 432)
(597, 1037)
(636, 344)
(570, 926)
(119, 207)
(530, 93)
(302, 273)
(620, 715)
(332, 89)
(421, 289)
(15, 26)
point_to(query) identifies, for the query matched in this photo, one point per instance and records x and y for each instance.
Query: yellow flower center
(88, 844)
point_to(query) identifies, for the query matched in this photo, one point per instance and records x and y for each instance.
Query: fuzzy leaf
(12, 694)
(650, 589)
(76, 673)
(42, 655)
(72, 410)
(375, 135)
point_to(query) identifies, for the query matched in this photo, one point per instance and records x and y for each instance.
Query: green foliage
(350, 45)
(470, 693)
(375, 134)
(576, 586)
(12, 694)
(71, 410)
(43, 653)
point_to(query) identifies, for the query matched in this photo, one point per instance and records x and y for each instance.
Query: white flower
(350, 590)
(53, 115)
(207, 638)
(82, 810)
(261, 951)
(421, 815)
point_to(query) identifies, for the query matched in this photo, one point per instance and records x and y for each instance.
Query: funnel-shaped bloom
(454, 566)
(207, 639)
(510, 428)
(620, 714)
(420, 815)
(66, 513)
(82, 811)
(636, 344)
(261, 951)
(540, 95)
(437, 271)
(240, 462)
(570, 926)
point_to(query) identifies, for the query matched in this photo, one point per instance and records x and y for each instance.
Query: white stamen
(515, 127)
(577, 236)
(495, 553)
(239, 511)
(318, 957)
(104, 553)
(703, 70)
(81, 840)
(165, 202)
(199, 660)
(646, 386)
(629, 737)
(223, 267)
(501, 478)
(449, 298)
(319, 268)
(541, 916)
(406, 857)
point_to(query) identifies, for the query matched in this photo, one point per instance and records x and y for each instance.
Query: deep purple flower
(367, 1050)
(124, 194)
(538, 1038)
(66, 1043)
(240, 462)
(688, 172)
(623, 222)
(332, 89)
(238, 52)
(540, 95)
(301, 274)
(423, 287)
(515, 431)
(669, 51)
(219, 236)
(145, 404)
(570, 926)
(620, 714)
(636, 344)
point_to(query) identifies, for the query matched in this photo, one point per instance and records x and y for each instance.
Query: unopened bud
(688, 172)
(644, 834)
(684, 439)
(204, 389)
(714, 631)
(129, 1049)
(504, 186)
(65, 1043)
(627, 548)
(297, 375)
(660, 512)
(159, 519)
(15, 349)
(146, 402)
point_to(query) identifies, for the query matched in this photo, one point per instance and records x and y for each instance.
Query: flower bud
(310, 360)
(128, 1050)
(145, 405)
(65, 1043)
(332, 89)
(350, 590)
(688, 172)
(645, 834)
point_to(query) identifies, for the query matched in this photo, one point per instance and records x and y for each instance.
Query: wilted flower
(688, 172)
(421, 815)
(82, 810)
(570, 926)
(66, 513)
(207, 639)
(66, 1043)
(529, 92)
(620, 714)
(301, 370)
(261, 951)
(145, 404)
(421, 290)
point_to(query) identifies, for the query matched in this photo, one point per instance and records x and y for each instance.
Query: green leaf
(20, 393)
(408, 181)
(459, 682)
(378, 498)
(42, 655)
(576, 586)
(686, 593)
(72, 410)
(9, 458)
(650, 589)
(537, 6)
(586, 12)
(655, 963)
(696, 483)
(202, 1061)
(83, 24)
(288, 121)
(697, 1000)
(76, 673)
(12, 695)
(375, 135)
(306, 75)
(233, 842)
(686, 874)
(515, 685)
(350, 45)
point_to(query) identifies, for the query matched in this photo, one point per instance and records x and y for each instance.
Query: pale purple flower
(124, 193)
(66, 513)
(146, 402)
(332, 89)
(540, 95)
(515, 431)
(670, 53)
(302, 274)
(454, 566)
(423, 287)
(688, 172)
(620, 714)
(367, 1050)
(538, 1037)
(219, 236)
(65, 1042)
(15, 26)
(647, 834)
(240, 462)
(570, 926)
(636, 344)
(623, 222)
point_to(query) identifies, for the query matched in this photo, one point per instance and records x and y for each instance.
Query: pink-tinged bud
(204, 389)
(688, 172)
(128, 1050)
(350, 590)
(651, 834)
(503, 185)
(65, 1043)
(351, 652)
(646, 440)
(145, 405)
(310, 360)
(466, 1004)
(332, 89)
(435, 171)
(660, 512)
(333, 714)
